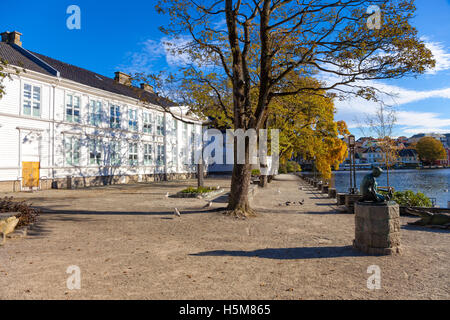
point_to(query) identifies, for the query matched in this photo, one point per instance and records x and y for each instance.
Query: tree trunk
(200, 175)
(238, 204)
(263, 178)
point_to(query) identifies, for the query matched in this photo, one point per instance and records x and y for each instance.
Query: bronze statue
(369, 188)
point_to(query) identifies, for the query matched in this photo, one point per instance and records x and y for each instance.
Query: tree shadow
(49, 212)
(288, 253)
(425, 229)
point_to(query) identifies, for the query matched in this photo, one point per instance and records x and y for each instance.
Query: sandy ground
(129, 245)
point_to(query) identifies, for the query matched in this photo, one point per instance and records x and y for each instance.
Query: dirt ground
(129, 245)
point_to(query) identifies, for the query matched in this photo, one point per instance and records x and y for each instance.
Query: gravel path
(129, 245)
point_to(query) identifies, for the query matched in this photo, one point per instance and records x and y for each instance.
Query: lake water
(433, 183)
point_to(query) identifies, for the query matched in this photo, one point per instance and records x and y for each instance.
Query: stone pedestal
(377, 228)
(350, 200)
(325, 188)
(340, 199)
(332, 193)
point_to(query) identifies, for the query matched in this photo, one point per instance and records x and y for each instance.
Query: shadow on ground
(287, 253)
(424, 229)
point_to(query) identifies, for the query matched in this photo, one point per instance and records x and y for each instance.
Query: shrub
(198, 190)
(410, 199)
(293, 166)
(27, 214)
(256, 172)
(282, 169)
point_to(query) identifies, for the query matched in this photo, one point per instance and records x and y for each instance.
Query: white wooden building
(63, 126)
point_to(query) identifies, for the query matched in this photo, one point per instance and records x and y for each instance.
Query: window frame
(98, 149)
(72, 150)
(147, 122)
(133, 146)
(117, 117)
(73, 95)
(96, 112)
(22, 111)
(133, 124)
(147, 146)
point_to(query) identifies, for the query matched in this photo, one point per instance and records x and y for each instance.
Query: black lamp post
(351, 146)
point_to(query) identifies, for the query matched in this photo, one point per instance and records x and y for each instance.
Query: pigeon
(302, 202)
(288, 203)
(301, 188)
(208, 205)
(176, 212)
(167, 195)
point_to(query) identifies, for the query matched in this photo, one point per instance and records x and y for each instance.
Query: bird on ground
(208, 205)
(301, 188)
(302, 202)
(176, 212)
(167, 195)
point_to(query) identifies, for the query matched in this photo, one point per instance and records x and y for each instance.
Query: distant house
(408, 157)
(373, 155)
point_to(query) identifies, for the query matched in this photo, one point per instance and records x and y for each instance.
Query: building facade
(63, 126)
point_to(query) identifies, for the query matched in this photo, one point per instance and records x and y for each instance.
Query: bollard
(332, 193)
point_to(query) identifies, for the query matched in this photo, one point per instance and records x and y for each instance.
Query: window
(114, 117)
(174, 156)
(31, 100)
(160, 155)
(72, 151)
(95, 152)
(95, 112)
(160, 125)
(132, 120)
(114, 153)
(73, 108)
(133, 154)
(148, 154)
(148, 123)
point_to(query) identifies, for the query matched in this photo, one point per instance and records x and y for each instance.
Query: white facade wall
(43, 137)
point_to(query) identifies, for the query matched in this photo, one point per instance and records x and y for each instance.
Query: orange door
(30, 174)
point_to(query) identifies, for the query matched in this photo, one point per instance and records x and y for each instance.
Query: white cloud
(152, 52)
(441, 55)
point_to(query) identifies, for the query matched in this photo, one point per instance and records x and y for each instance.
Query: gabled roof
(17, 56)
(407, 153)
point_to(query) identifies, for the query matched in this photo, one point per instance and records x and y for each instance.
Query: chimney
(122, 78)
(12, 38)
(147, 87)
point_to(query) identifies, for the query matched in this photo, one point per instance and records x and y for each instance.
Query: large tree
(430, 150)
(251, 49)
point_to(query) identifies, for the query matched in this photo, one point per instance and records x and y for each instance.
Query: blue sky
(124, 35)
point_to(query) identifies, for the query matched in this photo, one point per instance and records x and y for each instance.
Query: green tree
(247, 50)
(430, 150)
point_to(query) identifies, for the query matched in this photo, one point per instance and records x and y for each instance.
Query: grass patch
(198, 190)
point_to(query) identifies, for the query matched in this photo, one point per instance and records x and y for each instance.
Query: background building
(61, 125)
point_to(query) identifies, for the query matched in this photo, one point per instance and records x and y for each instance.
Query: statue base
(377, 228)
